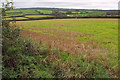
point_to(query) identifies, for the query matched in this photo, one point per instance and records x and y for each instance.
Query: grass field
(95, 13)
(37, 16)
(16, 18)
(95, 39)
(31, 11)
(13, 12)
(45, 11)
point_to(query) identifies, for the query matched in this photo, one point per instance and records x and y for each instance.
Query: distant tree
(69, 12)
(77, 10)
(55, 12)
(58, 13)
(111, 13)
(81, 12)
(10, 40)
(7, 7)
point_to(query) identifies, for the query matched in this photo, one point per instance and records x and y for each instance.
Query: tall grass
(24, 58)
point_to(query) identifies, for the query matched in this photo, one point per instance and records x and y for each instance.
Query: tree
(58, 13)
(10, 40)
(6, 7)
(69, 12)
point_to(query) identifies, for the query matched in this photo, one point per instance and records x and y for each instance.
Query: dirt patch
(64, 40)
(67, 45)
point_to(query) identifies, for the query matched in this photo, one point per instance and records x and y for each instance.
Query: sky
(71, 4)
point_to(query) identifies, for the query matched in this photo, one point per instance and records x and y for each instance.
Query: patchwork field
(59, 13)
(95, 39)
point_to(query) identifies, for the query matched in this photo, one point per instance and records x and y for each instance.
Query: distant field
(96, 39)
(38, 16)
(31, 11)
(45, 11)
(17, 18)
(77, 45)
(13, 12)
(97, 13)
(63, 12)
(9, 18)
(22, 12)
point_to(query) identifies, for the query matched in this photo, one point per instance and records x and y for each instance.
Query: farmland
(45, 11)
(38, 16)
(59, 13)
(60, 43)
(95, 39)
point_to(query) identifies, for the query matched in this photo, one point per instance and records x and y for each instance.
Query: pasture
(38, 16)
(60, 13)
(95, 39)
(45, 11)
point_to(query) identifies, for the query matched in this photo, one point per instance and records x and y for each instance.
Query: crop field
(95, 13)
(21, 12)
(38, 16)
(17, 18)
(13, 12)
(45, 11)
(29, 11)
(95, 39)
(62, 13)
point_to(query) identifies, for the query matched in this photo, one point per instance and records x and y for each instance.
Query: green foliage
(8, 73)
(57, 13)
(64, 56)
(78, 67)
(21, 57)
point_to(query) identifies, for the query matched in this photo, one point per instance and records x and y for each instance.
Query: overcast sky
(77, 4)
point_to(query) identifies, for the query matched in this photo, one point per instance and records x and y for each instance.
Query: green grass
(19, 18)
(63, 11)
(14, 15)
(97, 13)
(104, 30)
(45, 11)
(29, 11)
(9, 18)
(104, 34)
(94, 13)
(13, 12)
(79, 13)
(16, 18)
(38, 16)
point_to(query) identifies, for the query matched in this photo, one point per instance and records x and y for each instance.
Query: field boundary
(45, 18)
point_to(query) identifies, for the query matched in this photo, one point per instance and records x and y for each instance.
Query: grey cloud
(79, 4)
(90, 5)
